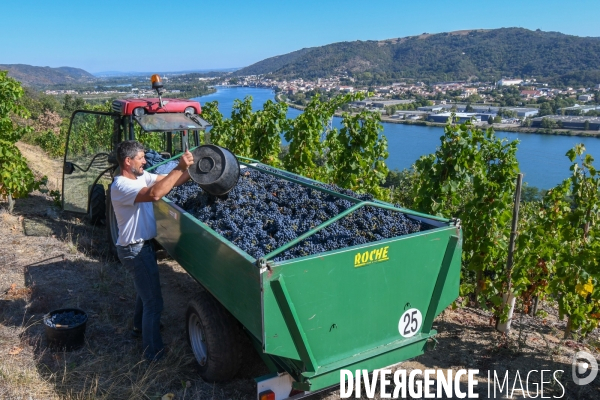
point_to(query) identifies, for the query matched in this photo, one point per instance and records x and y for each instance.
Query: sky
(174, 35)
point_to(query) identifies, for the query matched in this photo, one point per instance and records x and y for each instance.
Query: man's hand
(165, 183)
(186, 161)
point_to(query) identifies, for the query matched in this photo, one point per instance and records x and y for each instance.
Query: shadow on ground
(109, 364)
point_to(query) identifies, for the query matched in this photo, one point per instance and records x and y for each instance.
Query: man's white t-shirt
(135, 220)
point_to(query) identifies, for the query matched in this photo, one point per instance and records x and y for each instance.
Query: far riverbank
(541, 156)
(496, 127)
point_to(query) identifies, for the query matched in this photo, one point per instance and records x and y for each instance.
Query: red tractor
(166, 126)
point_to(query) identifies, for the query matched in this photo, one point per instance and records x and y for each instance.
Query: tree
(48, 121)
(474, 98)
(469, 108)
(490, 120)
(548, 123)
(37, 103)
(16, 179)
(545, 109)
(530, 193)
(586, 125)
(71, 104)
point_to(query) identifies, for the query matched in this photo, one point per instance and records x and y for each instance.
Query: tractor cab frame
(167, 126)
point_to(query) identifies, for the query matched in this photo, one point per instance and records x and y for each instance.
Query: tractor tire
(214, 336)
(97, 209)
(112, 229)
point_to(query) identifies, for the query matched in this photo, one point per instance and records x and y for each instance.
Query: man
(132, 193)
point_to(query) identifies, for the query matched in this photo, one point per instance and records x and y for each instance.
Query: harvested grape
(263, 212)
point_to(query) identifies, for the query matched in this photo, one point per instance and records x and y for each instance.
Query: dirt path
(51, 259)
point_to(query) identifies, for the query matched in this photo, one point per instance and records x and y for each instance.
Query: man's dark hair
(128, 148)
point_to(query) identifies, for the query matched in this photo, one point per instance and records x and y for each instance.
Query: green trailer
(361, 307)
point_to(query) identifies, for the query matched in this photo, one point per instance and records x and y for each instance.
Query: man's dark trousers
(140, 260)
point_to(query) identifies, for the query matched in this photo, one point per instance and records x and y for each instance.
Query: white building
(346, 89)
(509, 82)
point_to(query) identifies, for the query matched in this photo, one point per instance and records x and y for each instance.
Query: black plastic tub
(215, 169)
(61, 336)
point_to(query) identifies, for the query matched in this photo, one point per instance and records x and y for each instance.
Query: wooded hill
(30, 75)
(484, 55)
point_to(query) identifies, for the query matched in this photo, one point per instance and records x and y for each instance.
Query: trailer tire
(97, 208)
(112, 229)
(213, 334)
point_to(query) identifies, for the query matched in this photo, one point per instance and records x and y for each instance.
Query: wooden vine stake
(508, 297)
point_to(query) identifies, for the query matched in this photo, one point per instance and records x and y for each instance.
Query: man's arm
(183, 179)
(164, 184)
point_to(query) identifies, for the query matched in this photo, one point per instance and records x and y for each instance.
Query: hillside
(272, 64)
(30, 75)
(462, 55)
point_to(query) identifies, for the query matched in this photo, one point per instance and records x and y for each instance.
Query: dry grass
(90, 373)
(69, 268)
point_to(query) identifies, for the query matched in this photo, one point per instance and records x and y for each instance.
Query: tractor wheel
(213, 334)
(112, 229)
(97, 210)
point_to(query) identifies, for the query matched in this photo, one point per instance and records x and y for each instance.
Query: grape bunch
(66, 318)
(263, 212)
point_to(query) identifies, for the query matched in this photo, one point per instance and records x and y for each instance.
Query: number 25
(411, 324)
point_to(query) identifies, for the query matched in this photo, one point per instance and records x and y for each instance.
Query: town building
(459, 117)
(443, 108)
(509, 82)
(531, 94)
(523, 112)
(568, 122)
(345, 89)
(579, 110)
(410, 115)
(586, 97)
(387, 103)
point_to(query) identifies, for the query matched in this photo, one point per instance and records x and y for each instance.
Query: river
(541, 157)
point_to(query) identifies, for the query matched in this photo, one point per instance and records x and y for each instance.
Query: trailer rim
(197, 341)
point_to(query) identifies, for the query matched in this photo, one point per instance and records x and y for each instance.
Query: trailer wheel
(112, 229)
(213, 335)
(97, 211)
